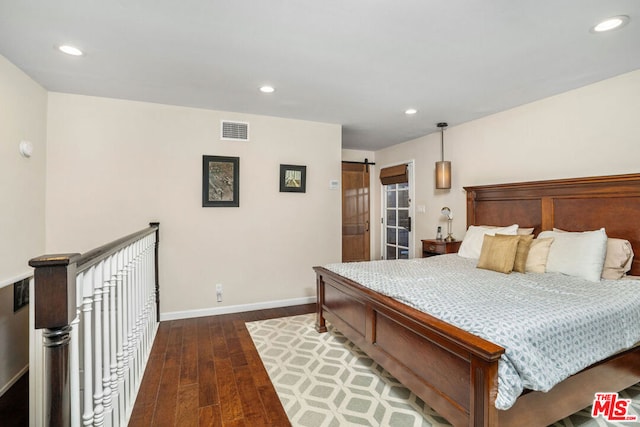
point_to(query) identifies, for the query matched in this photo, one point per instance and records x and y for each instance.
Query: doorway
(355, 212)
(397, 211)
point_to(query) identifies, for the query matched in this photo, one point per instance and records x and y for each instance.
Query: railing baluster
(122, 341)
(129, 326)
(113, 367)
(99, 315)
(106, 342)
(134, 316)
(148, 308)
(98, 395)
(74, 371)
(74, 356)
(139, 311)
(87, 309)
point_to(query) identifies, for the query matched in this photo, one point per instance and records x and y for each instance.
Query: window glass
(391, 217)
(403, 199)
(403, 218)
(403, 237)
(391, 252)
(391, 235)
(391, 197)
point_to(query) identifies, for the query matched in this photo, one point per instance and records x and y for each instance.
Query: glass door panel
(397, 221)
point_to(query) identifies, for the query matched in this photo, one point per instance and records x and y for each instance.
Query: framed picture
(293, 179)
(220, 181)
(20, 294)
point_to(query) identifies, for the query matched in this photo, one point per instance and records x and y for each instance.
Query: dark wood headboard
(577, 204)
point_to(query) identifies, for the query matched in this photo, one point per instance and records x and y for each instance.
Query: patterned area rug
(325, 380)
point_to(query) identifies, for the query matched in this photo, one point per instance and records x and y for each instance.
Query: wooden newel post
(55, 309)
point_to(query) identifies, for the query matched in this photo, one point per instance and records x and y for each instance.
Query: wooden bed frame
(456, 372)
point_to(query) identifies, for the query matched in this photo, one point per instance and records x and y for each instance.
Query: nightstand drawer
(438, 247)
(431, 247)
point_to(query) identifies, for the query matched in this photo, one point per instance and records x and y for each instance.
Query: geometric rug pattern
(324, 380)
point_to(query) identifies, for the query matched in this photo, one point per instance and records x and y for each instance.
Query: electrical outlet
(219, 292)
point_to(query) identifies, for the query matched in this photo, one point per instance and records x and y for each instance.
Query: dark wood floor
(207, 372)
(14, 404)
(201, 372)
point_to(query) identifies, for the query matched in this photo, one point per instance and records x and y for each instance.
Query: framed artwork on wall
(20, 294)
(293, 179)
(220, 181)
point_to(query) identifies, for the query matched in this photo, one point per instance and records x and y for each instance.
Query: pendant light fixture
(443, 168)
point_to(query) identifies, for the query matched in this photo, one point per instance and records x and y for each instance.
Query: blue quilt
(551, 325)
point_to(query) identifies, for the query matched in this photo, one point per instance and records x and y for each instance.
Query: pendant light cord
(442, 126)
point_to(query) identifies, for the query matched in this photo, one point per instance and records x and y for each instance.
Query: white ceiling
(359, 63)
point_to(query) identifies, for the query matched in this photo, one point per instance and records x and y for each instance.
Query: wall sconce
(443, 168)
(447, 212)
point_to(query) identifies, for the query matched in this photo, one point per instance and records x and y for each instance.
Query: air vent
(234, 131)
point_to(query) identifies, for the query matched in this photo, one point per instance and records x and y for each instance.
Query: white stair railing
(93, 323)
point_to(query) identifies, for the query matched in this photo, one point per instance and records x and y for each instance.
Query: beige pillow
(525, 231)
(538, 254)
(618, 260)
(524, 246)
(498, 253)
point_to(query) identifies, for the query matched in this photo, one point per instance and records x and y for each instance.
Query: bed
(460, 380)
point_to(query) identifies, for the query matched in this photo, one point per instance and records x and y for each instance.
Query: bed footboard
(453, 371)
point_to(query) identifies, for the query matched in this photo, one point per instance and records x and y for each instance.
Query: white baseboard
(13, 380)
(213, 311)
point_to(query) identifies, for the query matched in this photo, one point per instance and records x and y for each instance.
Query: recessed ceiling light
(410, 111)
(611, 24)
(70, 50)
(267, 89)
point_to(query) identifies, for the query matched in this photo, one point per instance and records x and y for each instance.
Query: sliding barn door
(355, 212)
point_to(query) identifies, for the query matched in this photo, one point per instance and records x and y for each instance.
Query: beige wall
(23, 106)
(589, 131)
(115, 165)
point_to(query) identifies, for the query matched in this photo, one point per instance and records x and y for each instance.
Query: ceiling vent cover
(234, 131)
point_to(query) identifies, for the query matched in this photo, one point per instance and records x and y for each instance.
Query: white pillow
(471, 245)
(618, 260)
(579, 254)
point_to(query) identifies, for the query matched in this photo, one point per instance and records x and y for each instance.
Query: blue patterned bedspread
(551, 325)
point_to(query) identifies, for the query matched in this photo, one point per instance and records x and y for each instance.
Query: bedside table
(432, 247)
